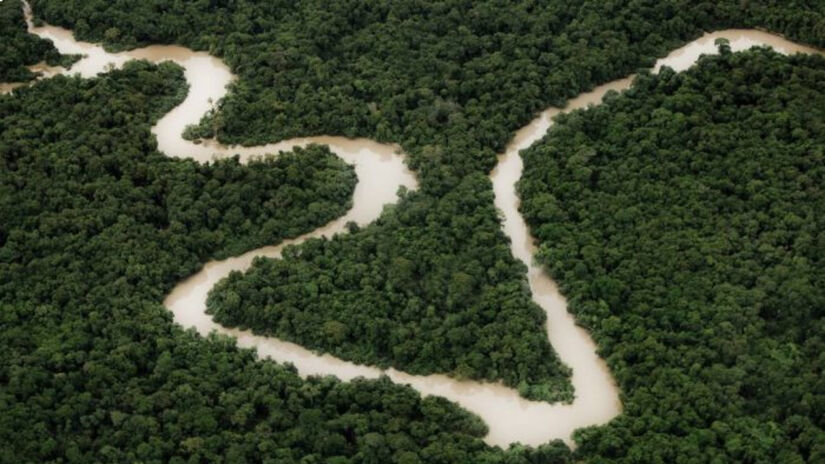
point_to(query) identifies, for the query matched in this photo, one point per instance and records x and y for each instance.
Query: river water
(381, 172)
(42, 68)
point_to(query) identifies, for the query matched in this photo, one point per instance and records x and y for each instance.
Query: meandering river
(381, 172)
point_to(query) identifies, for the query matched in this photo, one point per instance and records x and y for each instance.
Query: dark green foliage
(19, 49)
(450, 81)
(257, 205)
(224, 207)
(684, 222)
(460, 75)
(94, 371)
(440, 295)
(97, 226)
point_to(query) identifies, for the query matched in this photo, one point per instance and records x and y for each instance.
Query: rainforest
(414, 232)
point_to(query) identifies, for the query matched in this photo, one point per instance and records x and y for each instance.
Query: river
(381, 172)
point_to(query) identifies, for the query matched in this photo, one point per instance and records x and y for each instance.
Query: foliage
(97, 228)
(454, 74)
(19, 49)
(683, 221)
(88, 350)
(449, 81)
(326, 296)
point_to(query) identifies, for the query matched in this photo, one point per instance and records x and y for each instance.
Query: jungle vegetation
(683, 222)
(19, 49)
(97, 227)
(93, 359)
(437, 297)
(450, 81)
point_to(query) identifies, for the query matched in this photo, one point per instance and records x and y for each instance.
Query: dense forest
(19, 49)
(325, 295)
(450, 81)
(684, 222)
(97, 227)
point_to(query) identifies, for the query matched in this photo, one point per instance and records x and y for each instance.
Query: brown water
(44, 69)
(381, 171)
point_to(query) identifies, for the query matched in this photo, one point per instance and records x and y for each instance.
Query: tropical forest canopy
(333, 296)
(448, 80)
(683, 222)
(98, 226)
(19, 49)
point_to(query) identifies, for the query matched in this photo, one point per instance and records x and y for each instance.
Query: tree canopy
(19, 49)
(682, 220)
(440, 294)
(98, 226)
(457, 75)
(450, 81)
